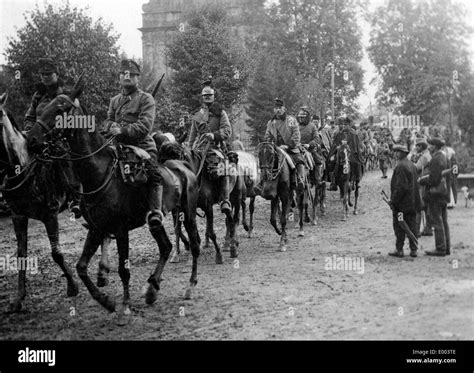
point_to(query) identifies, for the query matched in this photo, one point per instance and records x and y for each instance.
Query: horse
(275, 173)
(111, 206)
(210, 167)
(32, 190)
(248, 167)
(316, 191)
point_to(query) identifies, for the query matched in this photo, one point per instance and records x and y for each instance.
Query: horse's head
(267, 157)
(13, 149)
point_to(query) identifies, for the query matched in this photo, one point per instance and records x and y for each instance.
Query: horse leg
(301, 203)
(177, 231)
(124, 273)
(191, 228)
(243, 205)
(284, 211)
(273, 221)
(104, 266)
(322, 199)
(20, 225)
(210, 234)
(93, 240)
(251, 210)
(52, 229)
(314, 219)
(165, 246)
(234, 223)
(356, 197)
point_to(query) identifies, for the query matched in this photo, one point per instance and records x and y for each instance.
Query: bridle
(269, 172)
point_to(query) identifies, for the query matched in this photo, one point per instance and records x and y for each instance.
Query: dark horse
(347, 175)
(211, 168)
(316, 190)
(33, 190)
(111, 206)
(275, 174)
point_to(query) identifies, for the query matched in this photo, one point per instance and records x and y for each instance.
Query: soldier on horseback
(283, 130)
(130, 118)
(50, 87)
(212, 123)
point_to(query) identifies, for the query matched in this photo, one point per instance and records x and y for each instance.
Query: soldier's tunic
(210, 119)
(134, 114)
(286, 132)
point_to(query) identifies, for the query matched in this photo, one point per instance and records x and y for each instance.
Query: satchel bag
(441, 190)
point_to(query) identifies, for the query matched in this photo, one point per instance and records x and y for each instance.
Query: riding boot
(300, 170)
(225, 204)
(155, 197)
(293, 179)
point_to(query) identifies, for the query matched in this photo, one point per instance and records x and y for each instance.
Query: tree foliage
(419, 49)
(71, 38)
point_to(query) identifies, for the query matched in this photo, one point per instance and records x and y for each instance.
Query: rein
(275, 171)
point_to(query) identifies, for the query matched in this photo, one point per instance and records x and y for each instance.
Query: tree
(205, 48)
(420, 49)
(301, 38)
(70, 37)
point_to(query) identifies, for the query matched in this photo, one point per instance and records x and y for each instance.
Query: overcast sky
(126, 17)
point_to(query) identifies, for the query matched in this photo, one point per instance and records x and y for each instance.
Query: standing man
(52, 86)
(383, 154)
(130, 119)
(423, 159)
(437, 198)
(237, 144)
(212, 122)
(283, 130)
(405, 200)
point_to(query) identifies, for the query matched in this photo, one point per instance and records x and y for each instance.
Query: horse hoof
(323, 213)
(301, 234)
(249, 235)
(188, 294)
(344, 219)
(151, 295)
(233, 254)
(314, 222)
(174, 258)
(124, 317)
(72, 290)
(219, 259)
(356, 212)
(307, 220)
(282, 248)
(102, 282)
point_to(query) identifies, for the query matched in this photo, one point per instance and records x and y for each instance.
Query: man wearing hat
(404, 200)
(50, 87)
(423, 157)
(283, 130)
(311, 140)
(212, 122)
(130, 119)
(437, 197)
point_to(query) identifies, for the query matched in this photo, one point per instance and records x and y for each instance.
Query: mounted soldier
(50, 87)
(130, 119)
(212, 123)
(311, 140)
(283, 130)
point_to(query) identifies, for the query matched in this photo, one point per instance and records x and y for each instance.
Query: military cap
(422, 142)
(436, 141)
(305, 110)
(400, 148)
(279, 102)
(131, 66)
(47, 66)
(207, 91)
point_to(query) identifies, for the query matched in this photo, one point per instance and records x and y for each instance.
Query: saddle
(132, 163)
(291, 165)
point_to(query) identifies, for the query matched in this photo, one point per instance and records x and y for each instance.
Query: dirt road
(298, 294)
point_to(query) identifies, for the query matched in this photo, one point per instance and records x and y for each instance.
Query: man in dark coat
(437, 197)
(405, 200)
(52, 86)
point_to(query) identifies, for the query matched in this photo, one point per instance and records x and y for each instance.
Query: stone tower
(163, 18)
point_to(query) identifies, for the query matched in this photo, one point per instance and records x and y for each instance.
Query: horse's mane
(14, 140)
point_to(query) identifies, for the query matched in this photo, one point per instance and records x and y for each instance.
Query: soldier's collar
(129, 92)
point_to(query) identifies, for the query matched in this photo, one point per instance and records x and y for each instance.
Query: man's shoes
(435, 253)
(226, 207)
(397, 254)
(413, 253)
